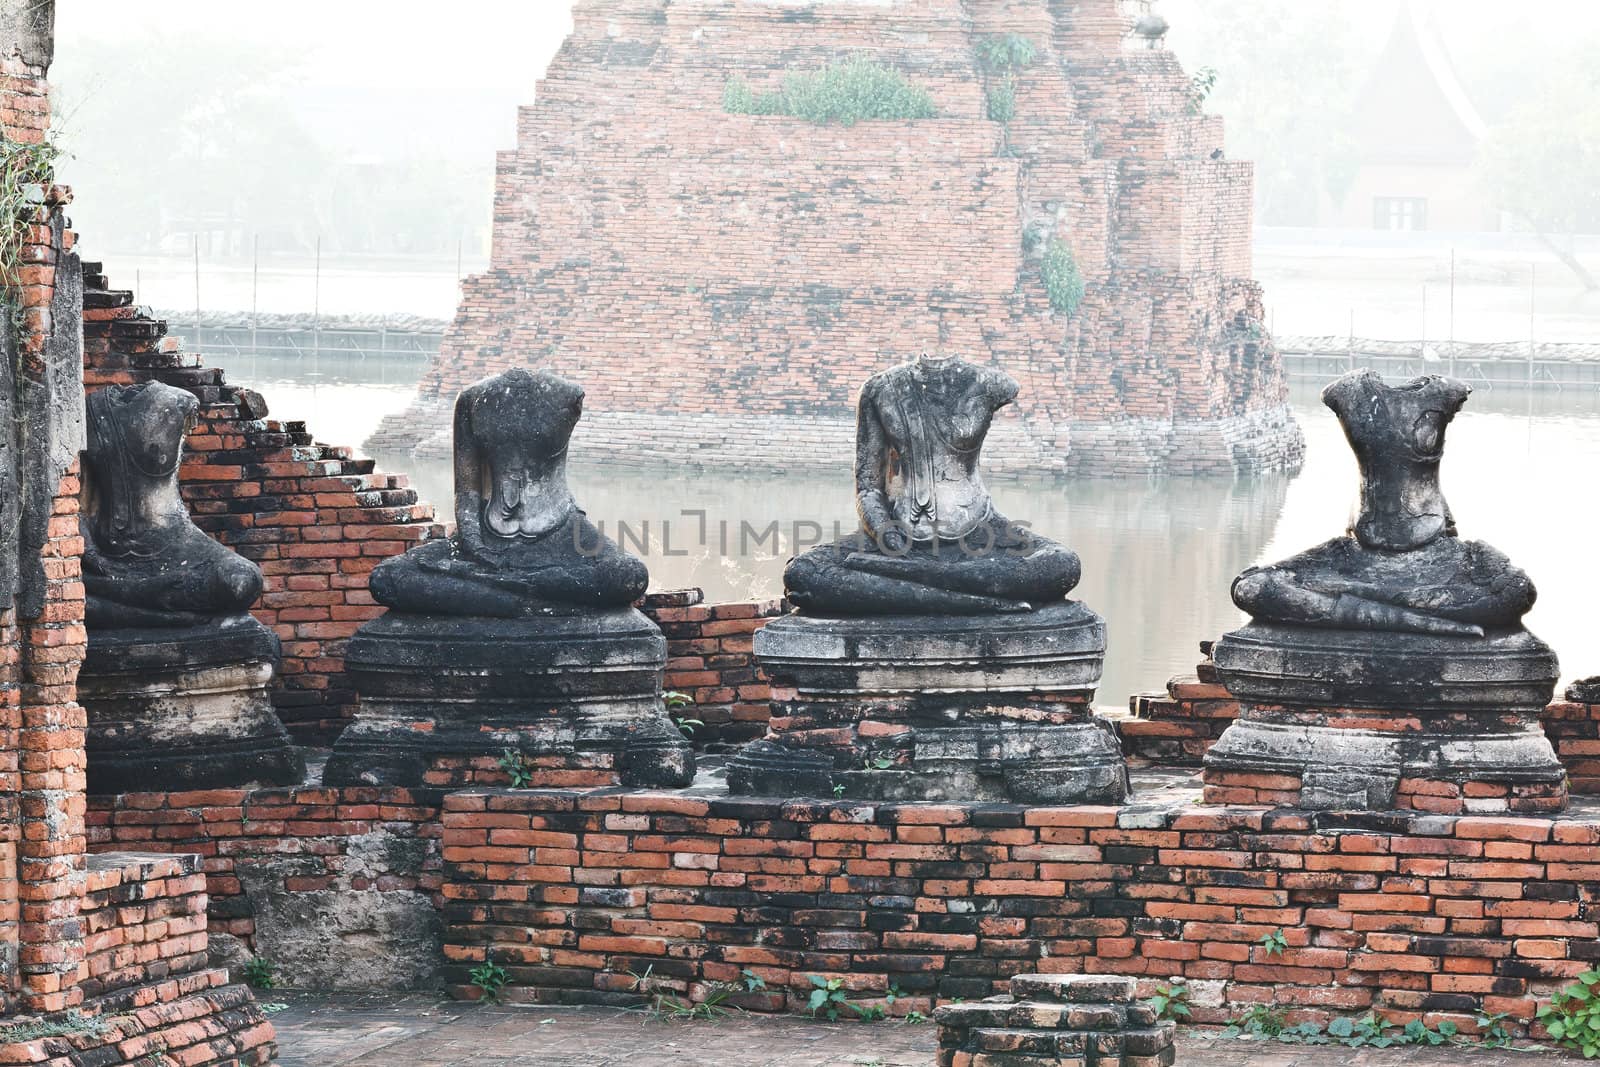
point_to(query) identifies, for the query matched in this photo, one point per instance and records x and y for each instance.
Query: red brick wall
(722, 284)
(227, 827)
(144, 920)
(710, 661)
(1412, 915)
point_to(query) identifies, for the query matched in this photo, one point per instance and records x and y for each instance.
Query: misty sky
(476, 59)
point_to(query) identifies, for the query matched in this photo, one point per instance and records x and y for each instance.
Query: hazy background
(370, 127)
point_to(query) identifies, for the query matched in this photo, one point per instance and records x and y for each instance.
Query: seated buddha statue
(145, 563)
(931, 540)
(521, 545)
(1401, 567)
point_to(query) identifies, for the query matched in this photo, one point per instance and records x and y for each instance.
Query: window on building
(1399, 213)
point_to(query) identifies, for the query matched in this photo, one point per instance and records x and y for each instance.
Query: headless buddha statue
(144, 562)
(1401, 567)
(931, 541)
(521, 545)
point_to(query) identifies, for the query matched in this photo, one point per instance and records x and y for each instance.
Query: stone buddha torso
(145, 562)
(931, 540)
(521, 545)
(1401, 567)
(932, 416)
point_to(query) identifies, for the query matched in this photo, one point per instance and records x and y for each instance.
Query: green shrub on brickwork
(847, 92)
(1001, 55)
(25, 170)
(1062, 281)
(1573, 1016)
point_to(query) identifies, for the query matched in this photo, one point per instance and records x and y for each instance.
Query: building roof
(1414, 107)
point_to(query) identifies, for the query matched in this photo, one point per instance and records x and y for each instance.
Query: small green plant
(914, 1018)
(1001, 97)
(272, 1007)
(1492, 1029)
(488, 978)
(838, 789)
(25, 171)
(829, 999)
(1261, 1022)
(668, 1007)
(1416, 1032)
(1171, 1001)
(515, 764)
(1200, 86)
(1369, 1031)
(676, 701)
(1006, 51)
(1062, 282)
(1573, 1016)
(73, 1023)
(877, 763)
(1274, 943)
(847, 92)
(260, 973)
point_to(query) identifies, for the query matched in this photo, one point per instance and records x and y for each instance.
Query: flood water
(1158, 554)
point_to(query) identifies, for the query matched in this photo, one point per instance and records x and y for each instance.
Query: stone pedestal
(1056, 1020)
(904, 707)
(1359, 720)
(184, 708)
(578, 695)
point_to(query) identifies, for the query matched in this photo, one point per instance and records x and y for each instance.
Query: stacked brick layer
(197, 1020)
(318, 829)
(1056, 1020)
(841, 250)
(144, 920)
(1418, 916)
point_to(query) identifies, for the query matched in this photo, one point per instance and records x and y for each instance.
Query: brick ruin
(839, 251)
(128, 907)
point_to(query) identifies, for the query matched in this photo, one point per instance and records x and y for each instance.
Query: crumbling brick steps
(1056, 1020)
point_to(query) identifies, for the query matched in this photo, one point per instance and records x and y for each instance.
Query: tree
(1542, 164)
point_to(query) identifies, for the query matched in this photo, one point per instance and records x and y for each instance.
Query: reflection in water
(1158, 555)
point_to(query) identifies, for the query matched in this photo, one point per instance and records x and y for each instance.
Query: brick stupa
(718, 282)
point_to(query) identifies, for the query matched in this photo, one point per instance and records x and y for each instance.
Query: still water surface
(1158, 554)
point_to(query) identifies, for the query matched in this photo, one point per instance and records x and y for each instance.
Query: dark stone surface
(28, 28)
(576, 684)
(931, 541)
(1397, 651)
(1584, 691)
(145, 562)
(184, 708)
(521, 547)
(517, 632)
(935, 708)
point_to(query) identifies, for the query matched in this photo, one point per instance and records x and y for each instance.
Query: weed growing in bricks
(488, 978)
(74, 1023)
(1260, 1023)
(847, 92)
(669, 1007)
(676, 701)
(1274, 943)
(25, 170)
(1573, 1016)
(1200, 86)
(1492, 1029)
(830, 1000)
(515, 764)
(1063, 284)
(1001, 56)
(1171, 1001)
(260, 973)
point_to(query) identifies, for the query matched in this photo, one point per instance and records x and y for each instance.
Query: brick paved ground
(416, 1031)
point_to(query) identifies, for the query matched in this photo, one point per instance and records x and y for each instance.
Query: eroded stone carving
(177, 680)
(931, 539)
(521, 546)
(1389, 664)
(934, 655)
(145, 562)
(1401, 566)
(518, 631)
